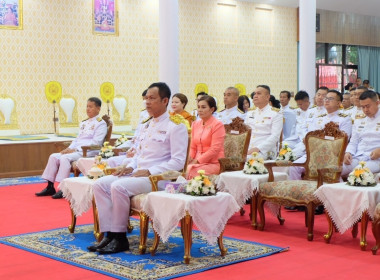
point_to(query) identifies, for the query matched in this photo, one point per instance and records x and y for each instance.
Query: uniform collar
(265, 108)
(93, 118)
(333, 113)
(162, 117)
(285, 107)
(232, 109)
(376, 115)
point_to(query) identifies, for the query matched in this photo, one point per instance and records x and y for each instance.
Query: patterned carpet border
(5, 182)
(60, 245)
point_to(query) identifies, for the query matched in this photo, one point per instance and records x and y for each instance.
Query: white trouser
(373, 165)
(58, 166)
(295, 172)
(116, 160)
(112, 196)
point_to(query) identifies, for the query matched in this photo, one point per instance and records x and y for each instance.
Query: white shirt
(342, 120)
(266, 125)
(226, 115)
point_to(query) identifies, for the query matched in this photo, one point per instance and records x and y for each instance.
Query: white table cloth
(242, 186)
(345, 204)
(209, 213)
(78, 191)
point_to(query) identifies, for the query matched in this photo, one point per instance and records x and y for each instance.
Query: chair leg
(280, 218)
(329, 234)
(156, 241)
(130, 227)
(306, 218)
(260, 207)
(310, 221)
(98, 235)
(355, 230)
(254, 211)
(73, 220)
(144, 225)
(376, 234)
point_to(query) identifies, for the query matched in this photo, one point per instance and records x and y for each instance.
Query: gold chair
(376, 229)
(324, 157)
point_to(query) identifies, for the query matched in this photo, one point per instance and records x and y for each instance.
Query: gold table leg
(363, 231)
(187, 224)
(73, 220)
(254, 211)
(329, 234)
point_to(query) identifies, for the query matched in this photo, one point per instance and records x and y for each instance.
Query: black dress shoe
(115, 246)
(319, 210)
(102, 244)
(48, 191)
(290, 208)
(58, 195)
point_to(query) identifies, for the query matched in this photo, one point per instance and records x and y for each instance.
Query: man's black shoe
(290, 208)
(58, 195)
(319, 210)
(115, 246)
(48, 191)
(102, 244)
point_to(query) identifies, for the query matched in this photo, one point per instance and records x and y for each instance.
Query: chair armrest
(229, 164)
(328, 169)
(60, 146)
(279, 163)
(168, 175)
(90, 148)
(117, 151)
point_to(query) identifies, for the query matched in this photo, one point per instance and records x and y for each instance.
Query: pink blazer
(207, 141)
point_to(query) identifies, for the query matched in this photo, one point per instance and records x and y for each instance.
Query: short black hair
(365, 82)
(323, 88)
(163, 89)
(201, 93)
(369, 94)
(241, 102)
(287, 93)
(97, 101)
(144, 92)
(348, 86)
(275, 103)
(265, 86)
(301, 95)
(362, 87)
(252, 94)
(338, 93)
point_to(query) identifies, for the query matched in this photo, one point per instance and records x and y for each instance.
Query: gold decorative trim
(116, 115)
(200, 87)
(63, 117)
(14, 119)
(20, 22)
(241, 88)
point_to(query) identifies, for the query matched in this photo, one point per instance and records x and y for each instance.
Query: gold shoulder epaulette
(178, 119)
(342, 115)
(313, 106)
(85, 120)
(240, 111)
(293, 108)
(222, 110)
(253, 108)
(99, 119)
(144, 121)
(143, 110)
(321, 116)
(360, 116)
(275, 109)
(349, 108)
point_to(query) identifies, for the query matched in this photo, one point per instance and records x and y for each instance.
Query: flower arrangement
(97, 170)
(254, 165)
(361, 176)
(286, 153)
(106, 150)
(121, 140)
(200, 185)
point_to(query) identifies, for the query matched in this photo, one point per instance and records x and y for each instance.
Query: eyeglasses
(329, 99)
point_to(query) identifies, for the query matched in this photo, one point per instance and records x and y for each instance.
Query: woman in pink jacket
(207, 140)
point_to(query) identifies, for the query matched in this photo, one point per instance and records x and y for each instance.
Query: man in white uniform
(163, 145)
(92, 132)
(366, 137)
(299, 129)
(231, 96)
(266, 123)
(332, 105)
(357, 112)
(289, 113)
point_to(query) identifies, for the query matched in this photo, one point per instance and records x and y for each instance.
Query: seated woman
(243, 103)
(179, 102)
(207, 140)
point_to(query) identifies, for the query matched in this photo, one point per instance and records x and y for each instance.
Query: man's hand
(253, 150)
(122, 171)
(141, 173)
(347, 159)
(131, 152)
(375, 154)
(67, 151)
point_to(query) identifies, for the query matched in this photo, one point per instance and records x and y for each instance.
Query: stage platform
(28, 157)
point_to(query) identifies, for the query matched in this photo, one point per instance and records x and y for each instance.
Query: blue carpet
(24, 180)
(60, 245)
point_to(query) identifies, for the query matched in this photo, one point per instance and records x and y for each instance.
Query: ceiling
(364, 7)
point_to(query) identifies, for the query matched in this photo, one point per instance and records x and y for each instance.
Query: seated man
(298, 130)
(231, 96)
(92, 132)
(366, 136)
(266, 123)
(289, 113)
(332, 105)
(163, 146)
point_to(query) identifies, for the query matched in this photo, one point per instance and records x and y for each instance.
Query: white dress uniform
(313, 112)
(298, 130)
(163, 147)
(266, 125)
(290, 119)
(365, 138)
(226, 115)
(348, 111)
(319, 122)
(357, 115)
(91, 132)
